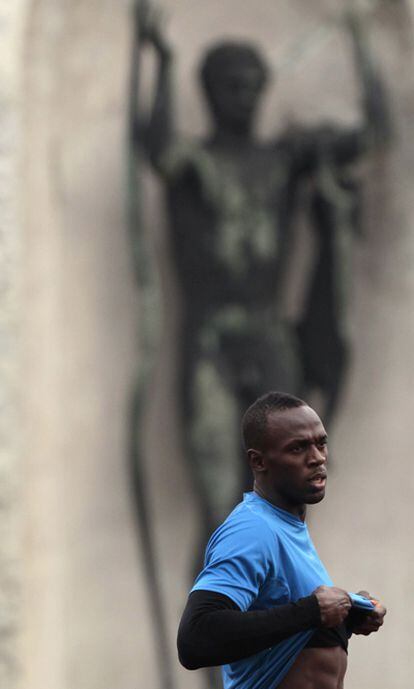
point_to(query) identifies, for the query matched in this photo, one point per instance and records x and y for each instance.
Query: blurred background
(78, 526)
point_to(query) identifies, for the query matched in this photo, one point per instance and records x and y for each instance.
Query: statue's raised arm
(335, 212)
(374, 96)
(374, 132)
(153, 135)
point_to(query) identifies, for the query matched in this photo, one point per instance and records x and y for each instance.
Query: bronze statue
(231, 201)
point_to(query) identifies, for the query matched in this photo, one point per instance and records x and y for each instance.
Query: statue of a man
(231, 201)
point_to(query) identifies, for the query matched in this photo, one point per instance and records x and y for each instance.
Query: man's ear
(256, 460)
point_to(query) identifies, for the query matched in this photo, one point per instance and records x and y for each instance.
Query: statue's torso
(229, 214)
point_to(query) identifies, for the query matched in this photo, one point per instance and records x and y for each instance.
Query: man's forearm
(214, 631)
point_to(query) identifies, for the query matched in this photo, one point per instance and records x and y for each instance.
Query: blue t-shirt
(260, 557)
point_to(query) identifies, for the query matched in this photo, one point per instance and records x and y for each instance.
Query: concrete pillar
(87, 622)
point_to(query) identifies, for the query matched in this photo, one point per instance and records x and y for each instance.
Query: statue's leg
(338, 365)
(210, 423)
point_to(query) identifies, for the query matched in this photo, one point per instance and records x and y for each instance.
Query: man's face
(291, 468)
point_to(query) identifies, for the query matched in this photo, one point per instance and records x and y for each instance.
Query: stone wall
(74, 601)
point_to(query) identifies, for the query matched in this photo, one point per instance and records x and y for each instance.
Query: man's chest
(296, 572)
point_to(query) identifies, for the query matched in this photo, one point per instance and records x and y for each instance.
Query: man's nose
(316, 455)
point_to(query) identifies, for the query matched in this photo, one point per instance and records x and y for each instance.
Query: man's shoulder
(245, 523)
(245, 513)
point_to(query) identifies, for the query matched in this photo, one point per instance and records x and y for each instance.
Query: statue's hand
(149, 21)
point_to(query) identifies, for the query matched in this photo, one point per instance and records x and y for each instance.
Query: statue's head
(233, 76)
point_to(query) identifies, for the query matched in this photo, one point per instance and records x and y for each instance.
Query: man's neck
(277, 501)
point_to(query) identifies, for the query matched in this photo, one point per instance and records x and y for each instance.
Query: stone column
(87, 623)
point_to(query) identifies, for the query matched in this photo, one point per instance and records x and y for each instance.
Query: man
(264, 606)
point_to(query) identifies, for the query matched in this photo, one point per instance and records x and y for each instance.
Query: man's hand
(334, 604)
(372, 620)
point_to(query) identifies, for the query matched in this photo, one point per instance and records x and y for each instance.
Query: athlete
(264, 606)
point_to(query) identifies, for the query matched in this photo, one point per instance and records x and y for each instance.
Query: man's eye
(323, 443)
(296, 449)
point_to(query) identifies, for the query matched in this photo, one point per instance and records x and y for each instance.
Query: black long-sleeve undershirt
(214, 631)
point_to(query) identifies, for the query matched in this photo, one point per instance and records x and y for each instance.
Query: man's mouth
(318, 480)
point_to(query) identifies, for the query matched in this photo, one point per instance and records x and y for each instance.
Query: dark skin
(290, 471)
